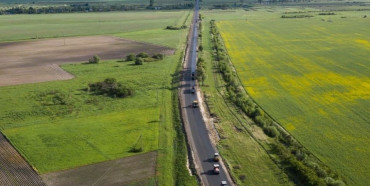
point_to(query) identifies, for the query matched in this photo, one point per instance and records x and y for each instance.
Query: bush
(130, 57)
(110, 87)
(242, 177)
(200, 47)
(95, 59)
(139, 61)
(142, 55)
(158, 56)
(271, 131)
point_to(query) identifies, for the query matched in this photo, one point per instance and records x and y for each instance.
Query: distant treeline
(86, 7)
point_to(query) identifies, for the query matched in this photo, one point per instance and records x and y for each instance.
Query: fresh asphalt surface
(202, 148)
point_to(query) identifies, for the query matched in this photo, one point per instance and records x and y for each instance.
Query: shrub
(95, 59)
(136, 149)
(158, 56)
(139, 61)
(271, 131)
(200, 47)
(242, 177)
(142, 55)
(260, 121)
(110, 87)
(130, 57)
(332, 182)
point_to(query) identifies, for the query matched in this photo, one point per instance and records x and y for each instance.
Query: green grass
(102, 130)
(311, 75)
(23, 27)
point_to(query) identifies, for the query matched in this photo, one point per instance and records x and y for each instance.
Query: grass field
(90, 128)
(23, 27)
(311, 75)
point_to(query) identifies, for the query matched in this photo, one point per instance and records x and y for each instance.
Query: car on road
(193, 75)
(193, 90)
(195, 104)
(216, 168)
(216, 157)
(223, 183)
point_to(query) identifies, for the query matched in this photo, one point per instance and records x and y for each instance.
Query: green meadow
(25, 27)
(58, 125)
(311, 75)
(89, 128)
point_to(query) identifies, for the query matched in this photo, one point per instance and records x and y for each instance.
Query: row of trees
(292, 155)
(86, 7)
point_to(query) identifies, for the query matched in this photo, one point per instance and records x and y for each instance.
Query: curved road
(197, 133)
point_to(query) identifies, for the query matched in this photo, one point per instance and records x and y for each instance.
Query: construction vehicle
(216, 157)
(195, 104)
(193, 90)
(216, 168)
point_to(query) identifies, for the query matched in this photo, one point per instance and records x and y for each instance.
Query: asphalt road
(201, 146)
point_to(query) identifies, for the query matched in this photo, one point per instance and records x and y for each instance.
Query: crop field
(82, 128)
(24, 27)
(312, 76)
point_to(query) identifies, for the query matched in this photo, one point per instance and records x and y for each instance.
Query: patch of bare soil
(258, 133)
(116, 172)
(14, 170)
(38, 61)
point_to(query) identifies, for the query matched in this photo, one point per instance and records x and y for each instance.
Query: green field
(23, 27)
(91, 128)
(312, 76)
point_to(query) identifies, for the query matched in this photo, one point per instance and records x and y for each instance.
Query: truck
(195, 104)
(216, 157)
(216, 168)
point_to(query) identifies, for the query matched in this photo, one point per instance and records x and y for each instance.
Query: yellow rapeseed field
(313, 77)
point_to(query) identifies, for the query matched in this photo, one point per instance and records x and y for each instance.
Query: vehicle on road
(216, 168)
(193, 90)
(193, 75)
(216, 157)
(223, 183)
(195, 104)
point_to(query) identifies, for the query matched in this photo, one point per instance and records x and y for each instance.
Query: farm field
(25, 27)
(312, 76)
(87, 128)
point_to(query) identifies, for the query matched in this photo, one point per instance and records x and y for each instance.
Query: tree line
(86, 7)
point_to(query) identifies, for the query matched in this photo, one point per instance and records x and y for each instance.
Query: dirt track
(116, 172)
(37, 61)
